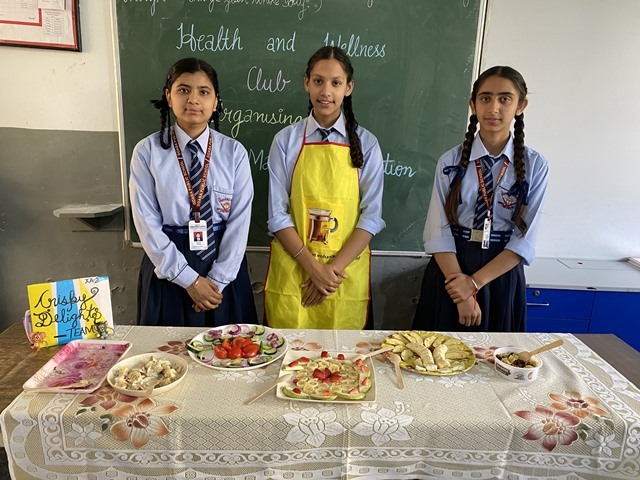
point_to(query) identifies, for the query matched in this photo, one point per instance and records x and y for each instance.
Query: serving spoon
(395, 359)
(526, 356)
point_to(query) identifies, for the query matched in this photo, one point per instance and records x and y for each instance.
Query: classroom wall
(59, 138)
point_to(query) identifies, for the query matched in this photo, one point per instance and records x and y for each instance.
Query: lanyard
(195, 202)
(483, 188)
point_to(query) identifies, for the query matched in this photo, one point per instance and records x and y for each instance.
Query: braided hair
(186, 65)
(335, 53)
(520, 188)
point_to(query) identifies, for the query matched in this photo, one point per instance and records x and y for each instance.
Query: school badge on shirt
(223, 204)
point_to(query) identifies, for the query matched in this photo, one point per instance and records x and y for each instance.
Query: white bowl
(178, 363)
(516, 374)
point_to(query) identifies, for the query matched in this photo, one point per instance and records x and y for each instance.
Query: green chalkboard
(413, 62)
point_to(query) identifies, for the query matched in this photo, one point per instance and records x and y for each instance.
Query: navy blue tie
(325, 132)
(481, 207)
(195, 175)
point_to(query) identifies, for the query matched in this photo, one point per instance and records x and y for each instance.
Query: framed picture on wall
(41, 24)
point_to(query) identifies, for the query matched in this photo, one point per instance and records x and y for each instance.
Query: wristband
(299, 251)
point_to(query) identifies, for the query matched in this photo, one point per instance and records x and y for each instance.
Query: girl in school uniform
(484, 216)
(191, 194)
(325, 204)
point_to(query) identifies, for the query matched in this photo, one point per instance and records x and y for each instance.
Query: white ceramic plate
(80, 366)
(137, 361)
(267, 336)
(296, 354)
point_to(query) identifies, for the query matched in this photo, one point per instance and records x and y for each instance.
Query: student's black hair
(328, 53)
(521, 188)
(185, 65)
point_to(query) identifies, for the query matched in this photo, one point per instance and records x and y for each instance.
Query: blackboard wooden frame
(32, 34)
(452, 126)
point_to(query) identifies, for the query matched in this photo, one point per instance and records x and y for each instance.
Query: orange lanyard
(195, 202)
(483, 188)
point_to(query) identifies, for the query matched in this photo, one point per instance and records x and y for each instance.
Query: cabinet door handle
(545, 304)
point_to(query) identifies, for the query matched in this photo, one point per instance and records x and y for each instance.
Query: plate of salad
(237, 347)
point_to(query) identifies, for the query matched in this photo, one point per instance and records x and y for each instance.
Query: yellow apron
(325, 206)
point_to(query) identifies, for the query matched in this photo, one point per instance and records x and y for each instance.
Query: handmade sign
(68, 310)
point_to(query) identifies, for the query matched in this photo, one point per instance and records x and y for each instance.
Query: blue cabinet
(585, 311)
(617, 313)
(561, 311)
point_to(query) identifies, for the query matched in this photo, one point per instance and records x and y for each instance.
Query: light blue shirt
(159, 197)
(437, 233)
(284, 154)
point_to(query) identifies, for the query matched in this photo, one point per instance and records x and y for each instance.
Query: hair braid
(163, 106)
(354, 140)
(453, 197)
(518, 163)
(215, 116)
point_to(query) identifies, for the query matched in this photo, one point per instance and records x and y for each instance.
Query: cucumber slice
(266, 349)
(208, 338)
(288, 392)
(260, 359)
(258, 330)
(316, 396)
(352, 396)
(197, 347)
(237, 362)
(280, 341)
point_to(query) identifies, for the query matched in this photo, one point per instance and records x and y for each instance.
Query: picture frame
(53, 24)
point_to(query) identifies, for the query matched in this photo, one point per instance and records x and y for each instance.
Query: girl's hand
(459, 287)
(312, 296)
(469, 313)
(326, 278)
(205, 294)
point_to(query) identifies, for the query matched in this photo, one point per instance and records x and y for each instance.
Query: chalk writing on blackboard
(301, 6)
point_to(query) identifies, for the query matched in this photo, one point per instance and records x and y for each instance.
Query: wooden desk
(436, 426)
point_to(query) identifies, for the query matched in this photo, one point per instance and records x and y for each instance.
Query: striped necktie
(481, 207)
(195, 174)
(325, 132)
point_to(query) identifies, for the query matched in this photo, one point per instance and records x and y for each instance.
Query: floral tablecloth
(579, 420)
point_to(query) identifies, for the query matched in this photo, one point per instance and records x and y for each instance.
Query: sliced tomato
(226, 344)
(235, 352)
(220, 352)
(251, 350)
(237, 342)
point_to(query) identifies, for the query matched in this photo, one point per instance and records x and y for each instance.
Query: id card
(198, 235)
(486, 233)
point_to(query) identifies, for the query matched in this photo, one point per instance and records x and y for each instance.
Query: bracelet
(475, 285)
(193, 285)
(475, 291)
(298, 252)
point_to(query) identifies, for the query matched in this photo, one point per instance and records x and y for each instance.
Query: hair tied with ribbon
(160, 104)
(459, 174)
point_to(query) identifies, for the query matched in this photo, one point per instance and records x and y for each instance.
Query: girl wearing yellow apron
(325, 204)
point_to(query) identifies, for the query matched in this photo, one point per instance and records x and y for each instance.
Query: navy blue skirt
(503, 301)
(161, 302)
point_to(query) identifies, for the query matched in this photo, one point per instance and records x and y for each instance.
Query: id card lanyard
(197, 227)
(486, 230)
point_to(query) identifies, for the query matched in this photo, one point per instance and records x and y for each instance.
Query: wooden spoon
(526, 356)
(376, 352)
(284, 378)
(395, 359)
